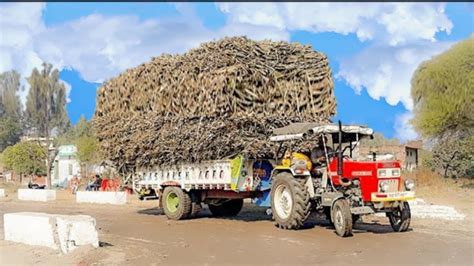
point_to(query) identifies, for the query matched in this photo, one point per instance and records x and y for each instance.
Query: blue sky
(373, 48)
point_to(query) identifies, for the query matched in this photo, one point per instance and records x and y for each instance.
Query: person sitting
(318, 154)
(74, 184)
(94, 184)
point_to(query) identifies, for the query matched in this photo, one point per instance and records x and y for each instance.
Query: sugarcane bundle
(215, 101)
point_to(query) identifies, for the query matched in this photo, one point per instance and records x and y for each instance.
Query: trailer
(221, 184)
(327, 179)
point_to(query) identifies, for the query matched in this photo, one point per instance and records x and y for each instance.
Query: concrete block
(30, 228)
(2, 192)
(76, 230)
(64, 232)
(37, 194)
(101, 197)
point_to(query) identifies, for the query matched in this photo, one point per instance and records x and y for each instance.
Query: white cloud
(100, 47)
(68, 90)
(394, 23)
(386, 71)
(403, 128)
(20, 23)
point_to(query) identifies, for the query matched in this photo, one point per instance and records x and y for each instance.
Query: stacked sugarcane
(216, 101)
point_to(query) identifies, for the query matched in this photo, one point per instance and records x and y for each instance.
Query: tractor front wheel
(290, 201)
(176, 203)
(227, 209)
(342, 218)
(400, 218)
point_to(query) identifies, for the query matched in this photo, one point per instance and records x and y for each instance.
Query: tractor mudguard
(328, 198)
(290, 170)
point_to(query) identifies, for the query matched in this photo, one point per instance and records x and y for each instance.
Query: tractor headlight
(409, 184)
(396, 172)
(383, 186)
(382, 173)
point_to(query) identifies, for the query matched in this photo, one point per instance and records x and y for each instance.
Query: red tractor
(329, 180)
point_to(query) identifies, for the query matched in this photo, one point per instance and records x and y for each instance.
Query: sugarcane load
(237, 119)
(216, 101)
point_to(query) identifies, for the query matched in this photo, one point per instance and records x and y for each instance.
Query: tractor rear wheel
(400, 218)
(290, 201)
(176, 203)
(227, 209)
(342, 217)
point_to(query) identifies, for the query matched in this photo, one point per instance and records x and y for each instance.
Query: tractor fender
(309, 182)
(328, 198)
(281, 169)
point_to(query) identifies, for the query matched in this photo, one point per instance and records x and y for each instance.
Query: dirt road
(137, 233)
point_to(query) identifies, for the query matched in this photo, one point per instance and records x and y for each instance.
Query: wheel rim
(396, 217)
(172, 202)
(283, 201)
(339, 219)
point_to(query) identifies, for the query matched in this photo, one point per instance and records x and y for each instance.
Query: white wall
(67, 168)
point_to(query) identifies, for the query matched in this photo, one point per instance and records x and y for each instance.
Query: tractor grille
(392, 185)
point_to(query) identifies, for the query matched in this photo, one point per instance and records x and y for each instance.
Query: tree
(379, 140)
(24, 158)
(442, 90)
(10, 132)
(10, 109)
(46, 109)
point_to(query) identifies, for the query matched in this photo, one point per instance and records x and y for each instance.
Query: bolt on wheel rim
(172, 202)
(283, 201)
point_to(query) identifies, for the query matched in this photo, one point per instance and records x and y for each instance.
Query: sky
(373, 48)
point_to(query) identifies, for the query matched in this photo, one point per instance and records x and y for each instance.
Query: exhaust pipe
(339, 155)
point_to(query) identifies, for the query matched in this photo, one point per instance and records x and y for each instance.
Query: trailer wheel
(342, 218)
(177, 203)
(290, 201)
(227, 208)
(400, 218)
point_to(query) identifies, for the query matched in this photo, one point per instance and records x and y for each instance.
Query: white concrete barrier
(2, 192)
(101, 197)
(37, 194)
(64, 232)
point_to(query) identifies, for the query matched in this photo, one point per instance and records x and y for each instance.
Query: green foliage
(24, 158)
(83, 136)
(46, 102)
(442, 90)
(87, 149)
(10, 104)
(379, 140)
(10, 131)
(453, 156)
(10, 109)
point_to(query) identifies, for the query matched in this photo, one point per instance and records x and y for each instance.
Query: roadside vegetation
(43, 121)
(442, 90)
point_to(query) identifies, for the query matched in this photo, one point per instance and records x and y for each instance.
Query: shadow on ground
(252, 213)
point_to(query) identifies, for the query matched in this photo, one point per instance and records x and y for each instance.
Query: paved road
(138, 234)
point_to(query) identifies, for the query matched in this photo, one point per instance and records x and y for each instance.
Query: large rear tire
(176, 203)
(342, 218)
(290, 201)
(400, 218)
(227, 209)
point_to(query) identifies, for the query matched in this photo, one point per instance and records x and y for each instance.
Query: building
(65, 165)
(407, 154)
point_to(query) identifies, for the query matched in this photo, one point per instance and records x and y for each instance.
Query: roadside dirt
(137, 233)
